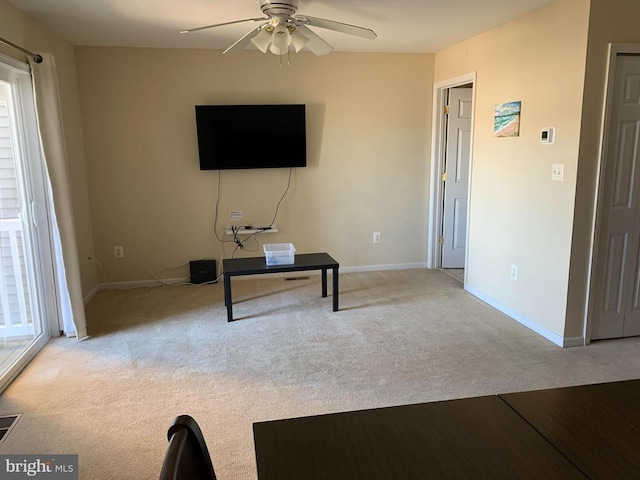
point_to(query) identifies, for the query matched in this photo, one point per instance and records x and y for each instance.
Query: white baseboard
(178, 281)
(131, 285)
(141, 284)
(379, 268)
(91, 294)
(574, 342)
(530, 324)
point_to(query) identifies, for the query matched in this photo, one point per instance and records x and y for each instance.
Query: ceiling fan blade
(315, 44)
(223, 24)
(244, 41)
(337, 26)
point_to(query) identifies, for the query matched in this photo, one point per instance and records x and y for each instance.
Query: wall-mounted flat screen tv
(251, 136)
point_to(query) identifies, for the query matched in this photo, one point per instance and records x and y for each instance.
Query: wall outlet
(514, 272)
(557, 172)
(118, 251)
(377, 237)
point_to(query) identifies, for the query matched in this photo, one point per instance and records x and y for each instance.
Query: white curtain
(45, 85)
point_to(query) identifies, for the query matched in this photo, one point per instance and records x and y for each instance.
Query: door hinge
(443, 177)
(441, 240)
(446, 109)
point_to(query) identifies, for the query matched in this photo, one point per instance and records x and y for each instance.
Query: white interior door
(456, 183)
(617, 286)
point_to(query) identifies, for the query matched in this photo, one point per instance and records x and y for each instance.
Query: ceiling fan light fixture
(262, 40)
(298, 40)
(283, 31)
(280, 40)
(278, 50)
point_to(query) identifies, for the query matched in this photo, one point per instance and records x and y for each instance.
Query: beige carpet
(401, 337)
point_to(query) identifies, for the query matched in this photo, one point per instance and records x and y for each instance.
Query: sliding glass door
(28, 310)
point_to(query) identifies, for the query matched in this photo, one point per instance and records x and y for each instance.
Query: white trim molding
(379, 268)
(143, 284)
(437, 163)
(530, 324)
(92, 293)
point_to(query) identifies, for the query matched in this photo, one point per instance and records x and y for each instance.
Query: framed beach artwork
(507, 120)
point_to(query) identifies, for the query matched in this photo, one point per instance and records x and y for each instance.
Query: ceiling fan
(283, 30)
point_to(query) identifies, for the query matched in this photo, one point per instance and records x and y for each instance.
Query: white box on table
(279, 253)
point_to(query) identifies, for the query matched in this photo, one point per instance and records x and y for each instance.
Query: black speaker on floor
(202, 271)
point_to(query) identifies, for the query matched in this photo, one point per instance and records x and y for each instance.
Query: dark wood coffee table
(597, 427)
(474, 438)
(233, 267)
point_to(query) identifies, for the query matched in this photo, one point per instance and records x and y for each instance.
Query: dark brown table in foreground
(597, 427)
(233, 267)
(476, 438)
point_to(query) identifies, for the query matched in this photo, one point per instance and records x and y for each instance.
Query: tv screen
(251, 136)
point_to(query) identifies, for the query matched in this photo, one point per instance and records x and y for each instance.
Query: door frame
(597, 248)
(438, 145)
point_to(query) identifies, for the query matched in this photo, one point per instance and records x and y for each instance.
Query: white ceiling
(402, 25)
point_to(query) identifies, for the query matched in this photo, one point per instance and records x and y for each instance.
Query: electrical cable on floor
(152, 288)
(164, 283)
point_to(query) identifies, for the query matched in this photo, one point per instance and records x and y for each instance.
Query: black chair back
(187, 457)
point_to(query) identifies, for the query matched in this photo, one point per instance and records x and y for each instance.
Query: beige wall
(368, 126)
(22, 30)
(517, 214)
(612, 21)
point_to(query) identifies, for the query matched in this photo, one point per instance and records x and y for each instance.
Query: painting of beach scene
(507, 120)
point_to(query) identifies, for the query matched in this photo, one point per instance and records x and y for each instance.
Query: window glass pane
(9, 195)
(20, 318)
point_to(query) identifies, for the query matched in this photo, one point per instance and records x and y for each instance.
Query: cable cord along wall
(238, 231)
